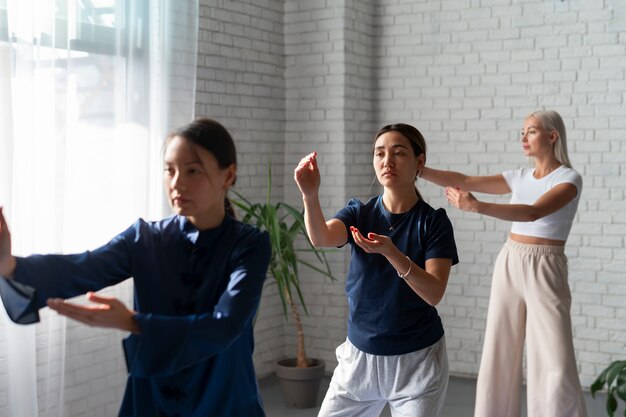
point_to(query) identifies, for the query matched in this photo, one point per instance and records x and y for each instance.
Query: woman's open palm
(106, 312)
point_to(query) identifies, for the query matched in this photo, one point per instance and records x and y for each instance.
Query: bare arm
(321, 232)
(429, 283)
(490, 184)
(553, 200)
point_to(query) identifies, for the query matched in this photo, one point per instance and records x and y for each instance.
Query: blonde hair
(552, 121)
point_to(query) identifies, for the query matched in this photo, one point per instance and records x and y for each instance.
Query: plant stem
(301, 359)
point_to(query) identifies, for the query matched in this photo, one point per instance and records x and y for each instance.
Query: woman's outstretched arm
(553, 200)
(490, 184)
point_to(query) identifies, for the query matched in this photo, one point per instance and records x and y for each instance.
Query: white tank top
(526, 189)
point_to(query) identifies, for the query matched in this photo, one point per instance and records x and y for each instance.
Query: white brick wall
(315, 70)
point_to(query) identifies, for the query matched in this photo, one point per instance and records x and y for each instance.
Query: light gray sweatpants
(414, 384)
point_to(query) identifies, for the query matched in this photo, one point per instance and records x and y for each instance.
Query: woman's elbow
(434, 301)
(533, 215)
(321, 241)
(316, 242)
(435, 298)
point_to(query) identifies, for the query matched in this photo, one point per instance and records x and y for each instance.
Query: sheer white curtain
(89, 90)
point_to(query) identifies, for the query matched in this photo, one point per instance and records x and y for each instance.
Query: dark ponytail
(213, 137)
(228, 208)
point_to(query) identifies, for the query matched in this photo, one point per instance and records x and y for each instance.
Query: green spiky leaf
(285, 226)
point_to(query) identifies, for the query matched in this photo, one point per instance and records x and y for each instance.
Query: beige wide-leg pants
(530, 297)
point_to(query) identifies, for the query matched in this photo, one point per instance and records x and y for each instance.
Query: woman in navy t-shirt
(402, 253)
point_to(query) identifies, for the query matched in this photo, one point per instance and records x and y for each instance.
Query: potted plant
(300, 376)
(614, 376)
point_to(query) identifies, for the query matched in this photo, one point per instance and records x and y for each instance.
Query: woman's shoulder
(356, 206)
(371, 203)
(357, 202)
(566, 171)
(431, 214)
(171, 224)
(167, 222)
(567, 174)
(247, 233)
(519, 172)
(142, 227)
(246, 229)
(424, 208)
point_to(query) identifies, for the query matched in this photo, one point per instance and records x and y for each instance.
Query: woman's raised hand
(7, 261)
(107, 312)
(461, 199)
(307, 175)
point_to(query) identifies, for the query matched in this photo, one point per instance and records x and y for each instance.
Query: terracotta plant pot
(300, 386)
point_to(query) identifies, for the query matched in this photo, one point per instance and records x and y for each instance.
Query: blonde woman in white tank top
(530, 296)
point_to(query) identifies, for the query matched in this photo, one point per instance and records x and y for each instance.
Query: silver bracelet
(403, 276)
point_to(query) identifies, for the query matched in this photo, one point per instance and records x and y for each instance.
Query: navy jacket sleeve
(39, 277)
(168, 344)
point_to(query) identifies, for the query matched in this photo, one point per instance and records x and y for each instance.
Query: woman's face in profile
(536, 141)
(194, 182)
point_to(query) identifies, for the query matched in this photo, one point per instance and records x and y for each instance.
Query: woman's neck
(205, 222)
(545, 166)
(399, 201)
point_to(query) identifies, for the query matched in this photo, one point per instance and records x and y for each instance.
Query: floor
(459, 400)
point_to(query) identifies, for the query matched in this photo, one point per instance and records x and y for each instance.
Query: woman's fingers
(107, 312)
(4, 227)
(307, 175)
(369, 245)
(93, 297)
(452, 194)
(303, 167)
(84, 314)
(307, 161)
(7, 262)
(3, 222)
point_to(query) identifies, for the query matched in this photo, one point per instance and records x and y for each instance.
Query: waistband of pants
(534, 249)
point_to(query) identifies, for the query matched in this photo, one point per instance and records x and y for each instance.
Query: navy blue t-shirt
(386, 317)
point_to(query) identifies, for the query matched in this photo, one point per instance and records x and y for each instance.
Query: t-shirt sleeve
(572, 177)
(440, 238)
(193, 338)
(349, 215)
(39, 277)
(509, 176)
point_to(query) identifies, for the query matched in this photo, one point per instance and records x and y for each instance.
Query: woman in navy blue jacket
(198, 277)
